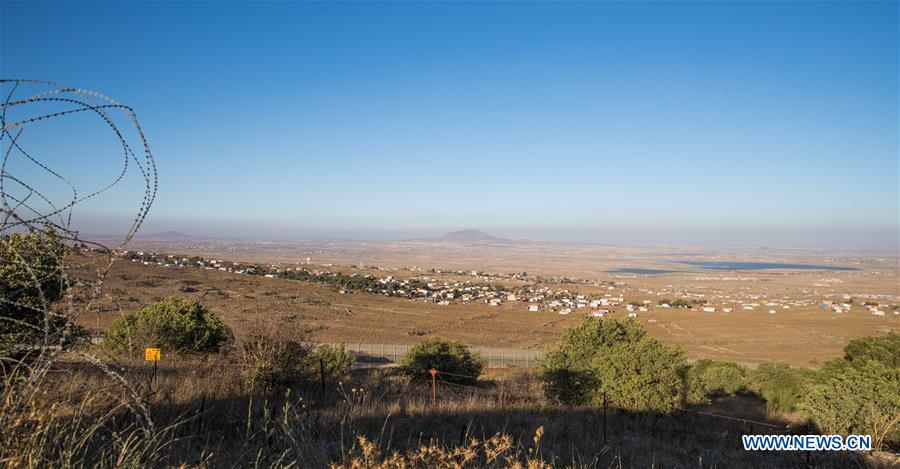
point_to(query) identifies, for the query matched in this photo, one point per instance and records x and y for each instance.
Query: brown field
(803, 336)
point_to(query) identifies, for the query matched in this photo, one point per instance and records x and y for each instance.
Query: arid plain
(789, 320)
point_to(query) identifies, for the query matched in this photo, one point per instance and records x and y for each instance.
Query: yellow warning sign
(151, 354)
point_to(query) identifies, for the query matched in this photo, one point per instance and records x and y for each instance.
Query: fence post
(433, 390)
(604, 417)
(322, 373)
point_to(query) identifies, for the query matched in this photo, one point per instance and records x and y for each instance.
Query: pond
(630, 270)
(731, 265)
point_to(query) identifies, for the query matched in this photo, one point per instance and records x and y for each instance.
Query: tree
(885, 348)
(781, 386)
(859, 393)
(859, 400)
(615, 360)
(641, 376)
(453, 360)
(176, 324)
(710, 379)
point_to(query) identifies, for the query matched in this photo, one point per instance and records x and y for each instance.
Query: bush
(618, 361)
(710, 379)
(781, 386)
(451, 358)
(885, 349)
(859, 400)
(269, 360)
(173, 324)
(333, 360)
(641, 376)
(31, 281)
(859, 393)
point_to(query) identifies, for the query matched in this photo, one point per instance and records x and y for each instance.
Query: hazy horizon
(883, 241)
(722, 124)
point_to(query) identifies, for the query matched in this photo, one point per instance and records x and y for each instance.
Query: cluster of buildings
(172, 261)
(537, 297)
(845, 304)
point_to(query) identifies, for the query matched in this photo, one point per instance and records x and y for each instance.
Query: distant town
(538, 294)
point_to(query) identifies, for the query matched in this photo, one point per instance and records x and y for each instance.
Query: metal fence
(375, 354)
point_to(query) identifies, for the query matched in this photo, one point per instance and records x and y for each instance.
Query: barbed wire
(33, 211)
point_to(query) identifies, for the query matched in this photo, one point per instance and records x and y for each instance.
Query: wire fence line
(376, 354)
(438, 382)
(373, 355)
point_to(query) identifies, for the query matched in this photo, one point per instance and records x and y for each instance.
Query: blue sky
(727, 123)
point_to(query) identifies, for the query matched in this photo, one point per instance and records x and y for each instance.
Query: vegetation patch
(175, 324)
(610, 361)
(711, 379)
(455, 362)
(333, 362)
(269, 360)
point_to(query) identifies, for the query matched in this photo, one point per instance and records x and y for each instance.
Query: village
(536, 294)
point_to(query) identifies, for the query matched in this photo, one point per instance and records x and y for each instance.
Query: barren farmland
(798, 330)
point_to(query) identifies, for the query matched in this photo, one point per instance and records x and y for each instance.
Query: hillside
(471, 236)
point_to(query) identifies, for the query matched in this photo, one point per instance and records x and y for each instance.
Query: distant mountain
(168, 236)
(471, 236)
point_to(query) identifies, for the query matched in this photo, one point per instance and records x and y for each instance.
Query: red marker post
(433, 389)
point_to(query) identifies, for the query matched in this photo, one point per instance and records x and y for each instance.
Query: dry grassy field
(210, 420)
(803, 336)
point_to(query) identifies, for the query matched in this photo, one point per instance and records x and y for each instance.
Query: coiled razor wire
(26, 208)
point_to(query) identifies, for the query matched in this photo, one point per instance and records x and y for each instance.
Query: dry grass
(204, 415)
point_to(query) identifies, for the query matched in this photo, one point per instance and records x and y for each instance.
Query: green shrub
(641, 376)
(781, 386)
(885, 348)
(829, 370)
(859, 400)
(174, 324)
(566, 383)
(333, 360)
(859, 393)
(615, 360)
(710, 379)
(31, 282)
(451, 358)
(269, 360)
